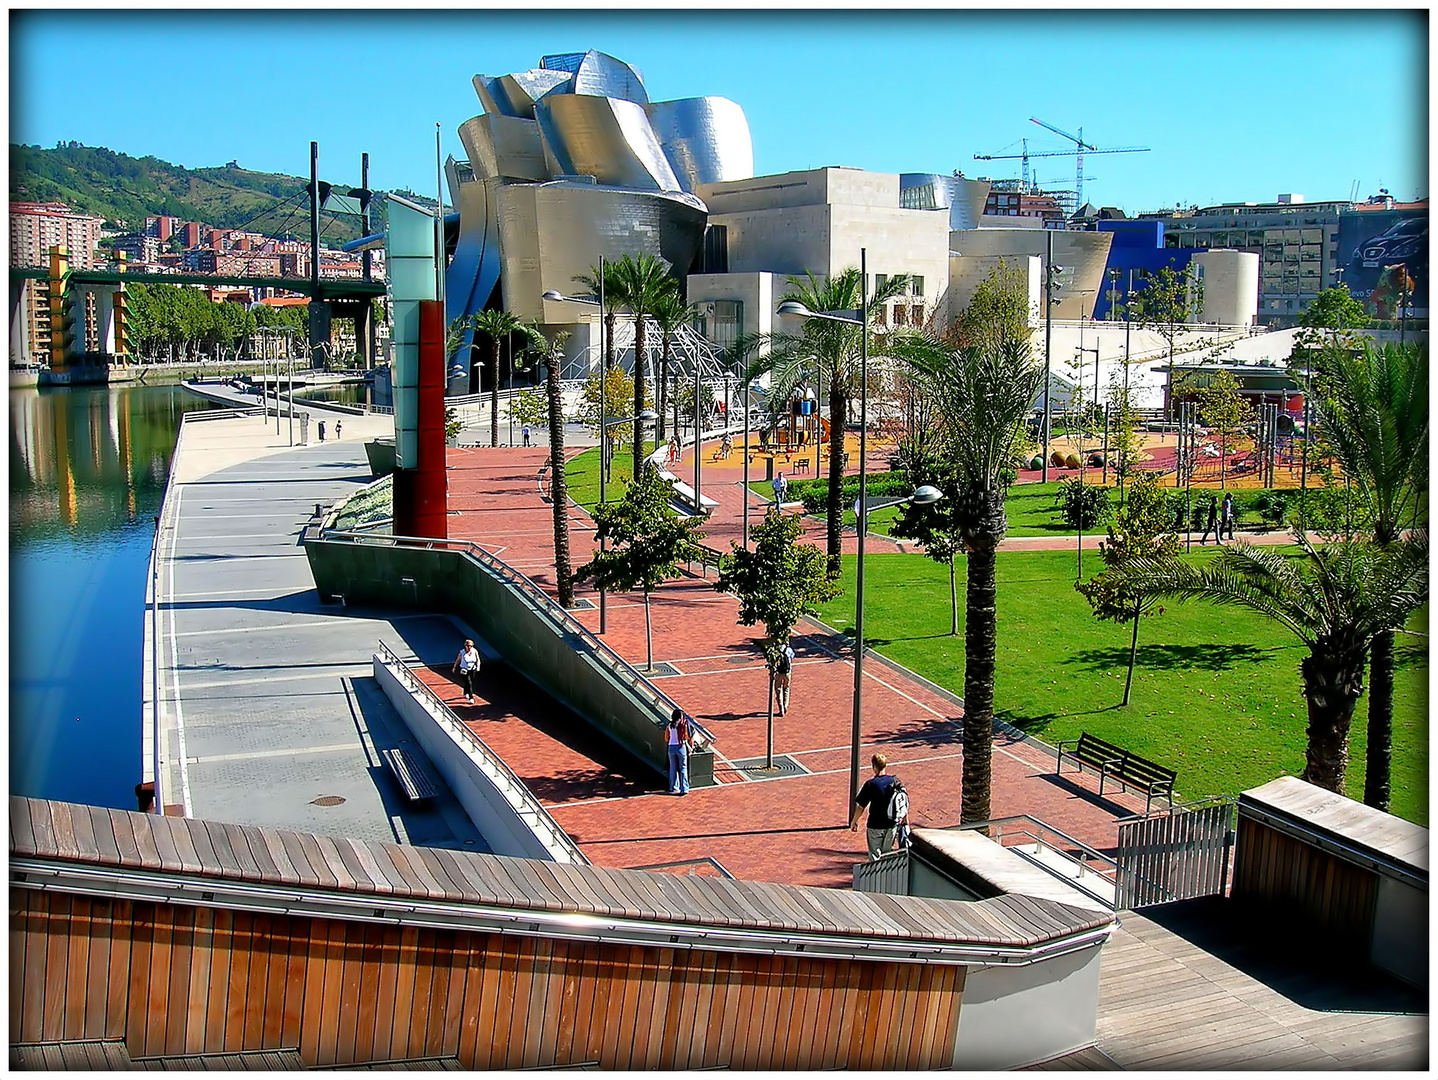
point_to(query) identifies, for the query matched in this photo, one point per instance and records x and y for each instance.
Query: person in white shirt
(679, 735)
(466, 664)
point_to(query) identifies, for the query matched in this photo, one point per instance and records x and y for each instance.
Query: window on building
(880, 280)
(898, 314)
(916, 314)
(916, 285)
(881, 316)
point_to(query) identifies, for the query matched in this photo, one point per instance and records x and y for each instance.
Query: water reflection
(87, 473)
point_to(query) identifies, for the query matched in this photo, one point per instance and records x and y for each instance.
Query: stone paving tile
(791, 829)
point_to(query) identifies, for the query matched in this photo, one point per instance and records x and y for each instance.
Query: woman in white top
(467, 665)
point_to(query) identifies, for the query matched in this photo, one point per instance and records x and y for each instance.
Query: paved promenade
(790, 828)
(270, 714)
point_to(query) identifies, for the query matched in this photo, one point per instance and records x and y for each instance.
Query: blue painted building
(1137, 251)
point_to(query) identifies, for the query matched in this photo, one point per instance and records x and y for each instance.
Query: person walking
(339, 426)
(888, 808)
(322, 431)
(679, 734)
(525, 433)
(1210, 524)
(783, 677)
(674, 450)
(1226, 516)
(727, 446)
(466, 665)
(781, 488)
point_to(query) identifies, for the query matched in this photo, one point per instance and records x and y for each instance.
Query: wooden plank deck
(1181, 987)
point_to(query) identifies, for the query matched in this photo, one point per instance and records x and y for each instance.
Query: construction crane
(1081, 147)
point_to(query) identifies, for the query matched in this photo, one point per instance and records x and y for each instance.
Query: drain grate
(784, 765)
(660, 670)
(583, 603)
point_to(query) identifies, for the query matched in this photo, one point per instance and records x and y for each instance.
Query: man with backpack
(783, 677)
(888, 805)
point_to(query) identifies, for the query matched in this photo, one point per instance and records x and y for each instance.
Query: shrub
(1083, 506)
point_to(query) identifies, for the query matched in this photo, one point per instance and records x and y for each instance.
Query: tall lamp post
(1051, 273)
(855, 318)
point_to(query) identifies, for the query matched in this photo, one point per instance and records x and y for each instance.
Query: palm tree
(1334, 599)
(644, 282)
(831, 348)
(611, 292)
(1373, 407)
(498, 326)
(669, 315)
(984, 394)
(558, 487)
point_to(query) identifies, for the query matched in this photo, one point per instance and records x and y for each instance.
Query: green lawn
(582, 474)
(1216, 694)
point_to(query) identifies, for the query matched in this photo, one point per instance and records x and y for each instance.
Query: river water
(87, 473)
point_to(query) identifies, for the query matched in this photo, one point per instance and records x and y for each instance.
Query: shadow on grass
(1171, 657)
(1410, 654)
(1039, 722)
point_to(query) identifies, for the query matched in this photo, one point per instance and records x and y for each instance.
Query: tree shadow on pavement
(925, 733)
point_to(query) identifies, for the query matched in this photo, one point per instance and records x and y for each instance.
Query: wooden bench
(1126, 767)
(414, 779)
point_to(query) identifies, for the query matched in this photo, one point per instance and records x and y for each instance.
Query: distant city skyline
(1236, 106)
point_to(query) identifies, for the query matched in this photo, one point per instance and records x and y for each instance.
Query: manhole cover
(327, 800)
(784, 765)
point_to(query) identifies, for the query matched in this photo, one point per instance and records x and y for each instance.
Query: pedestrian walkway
(789, 827)
(269, 712)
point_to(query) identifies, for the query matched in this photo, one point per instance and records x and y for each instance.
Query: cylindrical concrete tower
(1230, 286)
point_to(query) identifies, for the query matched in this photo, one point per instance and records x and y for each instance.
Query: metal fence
(1175, 854)
(887, 874)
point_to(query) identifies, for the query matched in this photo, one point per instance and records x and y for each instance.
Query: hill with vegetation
(125, 190)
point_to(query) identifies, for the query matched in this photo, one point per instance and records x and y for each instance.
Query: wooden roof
(1384, 837)
(99, 837)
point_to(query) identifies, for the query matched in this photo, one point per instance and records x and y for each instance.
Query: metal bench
(1126, 767)
(414, 779)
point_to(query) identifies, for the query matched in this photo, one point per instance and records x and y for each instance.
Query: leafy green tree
(498, 326)
(1223, 410)
(998, 311)
(826, 347)
(670, 314)
(1124, 445)
(558, 482)
(1334, 599)
(777, 581)
(1334, 309)
(617, 389)
(644, 283)
(1140, 530)
(648, 542)
(1372, 403)
(938, 526)
(1168, 301)
(612, 288)
(985, 394)
(531, 407)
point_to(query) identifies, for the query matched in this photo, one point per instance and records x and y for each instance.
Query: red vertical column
(421, 494)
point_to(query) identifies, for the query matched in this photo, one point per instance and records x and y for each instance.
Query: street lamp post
(1050, 273)
(923, 495)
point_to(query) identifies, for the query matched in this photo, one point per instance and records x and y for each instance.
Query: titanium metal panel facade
(706, 140)
(963, 198)
(606, 138)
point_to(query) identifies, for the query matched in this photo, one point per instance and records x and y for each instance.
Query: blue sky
(1235, 105)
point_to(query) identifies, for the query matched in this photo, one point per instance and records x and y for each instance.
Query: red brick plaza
(790, 829)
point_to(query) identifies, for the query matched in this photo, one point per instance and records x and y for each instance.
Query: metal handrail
(520, 798)
(1025, 819)
(564, 621)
